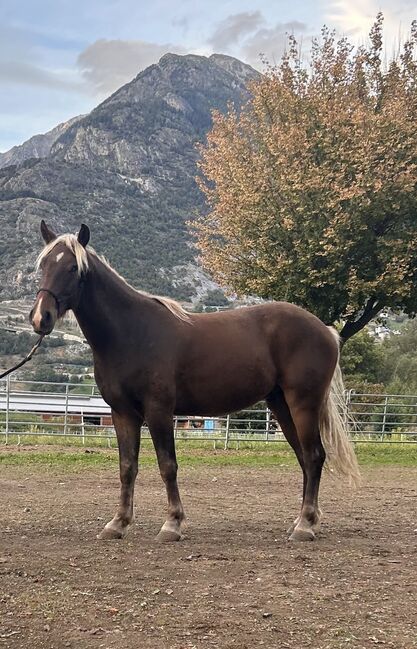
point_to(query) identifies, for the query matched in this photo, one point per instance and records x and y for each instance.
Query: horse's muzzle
(43, 317)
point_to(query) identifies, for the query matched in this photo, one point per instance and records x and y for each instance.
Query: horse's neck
(104, 304)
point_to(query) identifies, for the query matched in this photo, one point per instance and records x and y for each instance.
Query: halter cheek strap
(56, 298)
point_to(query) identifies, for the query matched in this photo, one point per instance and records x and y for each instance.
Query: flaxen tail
(334, 420)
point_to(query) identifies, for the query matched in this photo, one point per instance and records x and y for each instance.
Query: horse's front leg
(128, 438)
(161, 428)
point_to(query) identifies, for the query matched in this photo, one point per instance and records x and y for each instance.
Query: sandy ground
(234, 581)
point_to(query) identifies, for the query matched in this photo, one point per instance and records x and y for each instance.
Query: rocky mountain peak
(38, 146)
(128, 170)
(237, 68)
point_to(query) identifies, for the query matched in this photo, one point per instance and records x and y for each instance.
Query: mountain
(127, 170)
(38, 146)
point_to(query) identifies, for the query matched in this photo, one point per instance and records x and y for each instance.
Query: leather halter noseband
(46, 290)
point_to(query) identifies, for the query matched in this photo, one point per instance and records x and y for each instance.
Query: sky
(60, 58)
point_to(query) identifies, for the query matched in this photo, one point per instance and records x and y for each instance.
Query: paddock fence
(34, 412)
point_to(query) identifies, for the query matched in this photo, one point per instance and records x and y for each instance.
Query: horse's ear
(84, 235)
(47, 234)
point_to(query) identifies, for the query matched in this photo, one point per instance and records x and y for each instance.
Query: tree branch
(372, 308)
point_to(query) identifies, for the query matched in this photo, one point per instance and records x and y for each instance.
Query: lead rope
(25, 360)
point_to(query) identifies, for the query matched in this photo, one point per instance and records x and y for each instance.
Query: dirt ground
(233, 582)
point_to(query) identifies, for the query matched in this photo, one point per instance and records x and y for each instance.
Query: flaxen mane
(80, 253)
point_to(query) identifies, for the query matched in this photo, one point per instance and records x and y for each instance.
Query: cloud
(24, 73)
(353, 16)
(234, 27)
(248, 36)
(270, 42)
(357, 16)
(21, 63)
(108, 64)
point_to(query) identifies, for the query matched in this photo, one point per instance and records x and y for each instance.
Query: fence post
(175, 427)
(66, 408)
(226, 439)
(268, 423)
(7, 407)
(82, 427)
(384, 419)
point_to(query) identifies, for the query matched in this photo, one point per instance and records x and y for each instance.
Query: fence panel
(382, 417)
(77, 413)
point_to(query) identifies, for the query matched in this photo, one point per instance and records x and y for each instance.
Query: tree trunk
(372, 308)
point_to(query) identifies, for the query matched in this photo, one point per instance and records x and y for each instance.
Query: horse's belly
(207, 393)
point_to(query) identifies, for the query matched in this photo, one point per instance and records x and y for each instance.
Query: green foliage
(250, 420)
(399, 368)
(215, 297)
(375, 367)
(14, 343)
(362, 359)
(44, 374)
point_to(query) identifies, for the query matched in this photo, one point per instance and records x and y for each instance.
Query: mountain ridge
(37, 146)
(127, 169)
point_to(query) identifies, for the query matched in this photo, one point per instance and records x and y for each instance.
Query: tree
(312, 186)
(399, 367)
(215, 297)
(362, 360)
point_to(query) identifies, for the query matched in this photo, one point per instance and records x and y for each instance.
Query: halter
(46, 290)
(56, 298)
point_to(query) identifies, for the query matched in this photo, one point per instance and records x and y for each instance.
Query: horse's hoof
(168, 536)
(292, 527)
(109, 534)
(302, 535)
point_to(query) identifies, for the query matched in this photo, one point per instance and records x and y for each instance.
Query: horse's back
(281, 328)
(234, 358)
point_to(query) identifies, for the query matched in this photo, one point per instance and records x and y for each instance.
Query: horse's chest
(121, 389)
(109, 385)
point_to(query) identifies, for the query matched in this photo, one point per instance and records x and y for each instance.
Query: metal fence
(76, 413)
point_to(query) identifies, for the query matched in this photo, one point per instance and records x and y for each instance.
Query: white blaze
(37, 316)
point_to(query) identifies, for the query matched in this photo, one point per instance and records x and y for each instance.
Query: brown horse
(153, 360)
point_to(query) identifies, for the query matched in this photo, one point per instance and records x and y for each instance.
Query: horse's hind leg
(162, 433)
(279, 408)
(128, 439)
(305, 415)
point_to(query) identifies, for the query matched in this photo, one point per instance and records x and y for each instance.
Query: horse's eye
(74, 268)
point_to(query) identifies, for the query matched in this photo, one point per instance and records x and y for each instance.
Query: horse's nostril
(47, 317)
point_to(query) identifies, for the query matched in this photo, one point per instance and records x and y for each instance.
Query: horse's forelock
(71, 241)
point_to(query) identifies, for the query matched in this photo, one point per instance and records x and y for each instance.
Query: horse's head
(63, 263)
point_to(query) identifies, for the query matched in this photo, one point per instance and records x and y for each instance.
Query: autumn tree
(312, 187)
